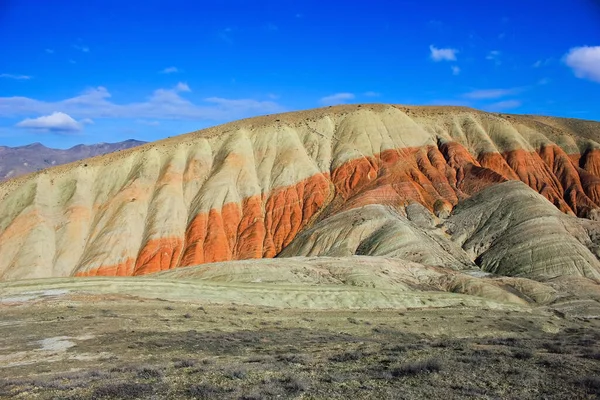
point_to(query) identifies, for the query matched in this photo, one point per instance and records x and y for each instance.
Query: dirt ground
(75, 346)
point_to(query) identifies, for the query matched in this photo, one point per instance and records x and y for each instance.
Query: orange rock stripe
(262, 226)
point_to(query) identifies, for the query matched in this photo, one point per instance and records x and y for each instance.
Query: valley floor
(57, 344)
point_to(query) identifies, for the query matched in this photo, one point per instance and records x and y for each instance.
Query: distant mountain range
(15, 161)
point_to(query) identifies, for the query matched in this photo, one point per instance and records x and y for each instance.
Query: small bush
(149, 373)
(235, 373)
(347, 356)
(184, 363)
(522, 354)
(292, 358)
(126, 390)
(415, 368)
(203, 391)
(591, 383)
(293, 384)
(592, 355)
(503, 341)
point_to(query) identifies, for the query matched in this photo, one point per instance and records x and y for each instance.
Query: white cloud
(182, 87)
(372, 94)
(455, 70)
(170, 70)
(13, 76)
(87, 121)
(503, 105)
(162, 104)
(336, 98)
(56, 122)
(81, 48)
(585, 62)
(442, 54)
(49, 51)
(490, 93)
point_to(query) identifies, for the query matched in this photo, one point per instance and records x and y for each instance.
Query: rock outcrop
(299, 184)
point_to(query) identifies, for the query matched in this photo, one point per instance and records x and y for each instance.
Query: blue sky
(103, 71)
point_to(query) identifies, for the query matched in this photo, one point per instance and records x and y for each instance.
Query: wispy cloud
(57, 122)
(272, 27)
(162, 104)
(81, 48)
(49, 51)
(494, 55)
(446, 54)
(147, 122)
(13, 76)
(455, 70)
(226, 35)
(491, 93)
(372, 94)
(336, 98)
(170, 70)
(541, 63)
(503, 105)
(585, 62)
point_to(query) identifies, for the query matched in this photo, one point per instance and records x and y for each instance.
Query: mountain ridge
(21, 160)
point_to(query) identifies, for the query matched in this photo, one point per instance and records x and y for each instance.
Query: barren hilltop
(333, 181)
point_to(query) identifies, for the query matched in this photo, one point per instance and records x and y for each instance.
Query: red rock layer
(437, 177)
(250, 231)
(124, 268)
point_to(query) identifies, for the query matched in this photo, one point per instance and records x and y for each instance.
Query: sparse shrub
(238, 373)
(503, 341)
(294, 384)
(149, 373)
(203, 391)
(553, 347)
(126, 390)
(184, 363)
(415, 368)
(591, 383)
(522, 354)
(347, 356)
(592, 355)
(292, 358)
(396, 349)
(353, 320)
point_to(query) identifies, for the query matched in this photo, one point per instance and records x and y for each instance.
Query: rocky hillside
(16, 161)
(428, 185)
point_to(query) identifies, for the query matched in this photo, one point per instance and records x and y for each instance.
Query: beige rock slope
(376, 180)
